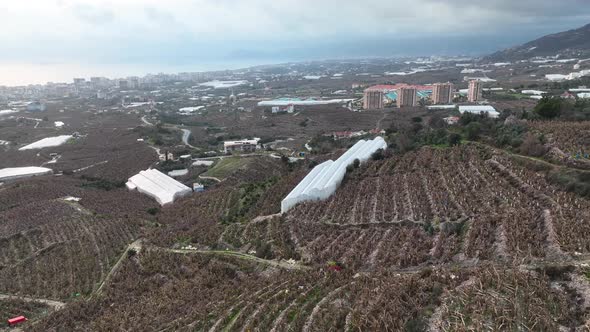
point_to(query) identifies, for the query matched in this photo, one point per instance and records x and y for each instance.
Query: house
(198, 188)
(376, 131)
(347, 134)
(242, 146)
(166, 156)
(451, 120)
(283, 109)
(568, 95)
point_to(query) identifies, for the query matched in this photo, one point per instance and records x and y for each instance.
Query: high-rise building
(407, 96)
(442, 93)
(474, 93)
(373, 99)
(123, 84)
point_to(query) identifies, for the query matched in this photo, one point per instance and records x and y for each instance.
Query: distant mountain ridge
(574, 42)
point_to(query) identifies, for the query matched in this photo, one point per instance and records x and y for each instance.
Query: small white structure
(190, 110)
(248, 145)
(198, 188)
(441, 107)
(203, 163)
(452, 120)
(478, 109)
(166, 156)
(59, 124)
(162, 188)
(556, 77)
(533, 92)
(325, 178)
(287, 109)
(6, 112)
(223, 84)
(308, 102)
(7, 174)
(481, 79)
(584, 95)
(47, 142)
(178, 173)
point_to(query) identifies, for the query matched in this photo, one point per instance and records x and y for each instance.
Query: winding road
(186, 134)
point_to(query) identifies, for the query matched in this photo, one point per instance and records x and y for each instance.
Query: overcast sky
(186, 34)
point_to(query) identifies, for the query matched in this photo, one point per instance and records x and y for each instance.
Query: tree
(472, 131)
(454, 139)
(548, 108)
(437, 121)
(404, 142)
(356, 163)
(378, 155)
(532, 146)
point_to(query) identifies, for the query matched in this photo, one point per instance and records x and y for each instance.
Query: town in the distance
(432, 193)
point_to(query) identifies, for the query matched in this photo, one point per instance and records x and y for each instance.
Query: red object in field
(336, 268)
(16, 320)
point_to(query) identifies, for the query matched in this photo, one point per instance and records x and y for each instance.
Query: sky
(55, 40)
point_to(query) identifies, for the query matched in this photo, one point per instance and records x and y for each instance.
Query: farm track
(278, 264)
(56, 305)
(133, 246)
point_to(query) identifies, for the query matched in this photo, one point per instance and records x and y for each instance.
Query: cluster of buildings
(405, 95)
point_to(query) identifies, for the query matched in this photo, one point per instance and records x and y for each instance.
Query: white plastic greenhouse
(325, 178)
(161, 187)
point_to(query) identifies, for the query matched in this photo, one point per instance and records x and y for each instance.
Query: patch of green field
(226, 166)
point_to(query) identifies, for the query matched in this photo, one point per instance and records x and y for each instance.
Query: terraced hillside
(570, 137)
(435, 239)
(208, 293)
(55, 247)
(429, 207)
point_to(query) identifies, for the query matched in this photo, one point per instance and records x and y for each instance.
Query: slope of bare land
(430, 240)
(438, 238)
(570, 137)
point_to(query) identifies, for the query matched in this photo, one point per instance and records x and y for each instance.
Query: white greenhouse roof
(47, 142)
(280, 102)
(203, 163)
(223, 84)
(191, 109)
(159, 186)
(533, 92)
(477, 109)
(6, 112)
(22, 172)
(178, 172)
(441, 107)
(325, 178)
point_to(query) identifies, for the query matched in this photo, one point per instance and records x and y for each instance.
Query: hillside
(416, 242)
(574, 42)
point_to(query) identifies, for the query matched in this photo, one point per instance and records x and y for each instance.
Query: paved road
(144, 120)
(186, 134)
